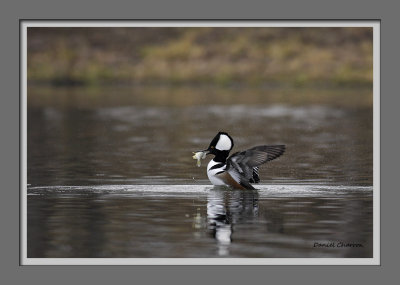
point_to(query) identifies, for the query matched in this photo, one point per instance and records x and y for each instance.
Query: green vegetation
(223, 56)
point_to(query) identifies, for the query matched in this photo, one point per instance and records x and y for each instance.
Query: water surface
(110, 174)
(199, 221)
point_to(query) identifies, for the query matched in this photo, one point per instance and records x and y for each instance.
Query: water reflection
(287, 226)
(225, 209)
(198, 221)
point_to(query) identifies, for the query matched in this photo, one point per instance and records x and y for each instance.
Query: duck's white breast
(212, 172)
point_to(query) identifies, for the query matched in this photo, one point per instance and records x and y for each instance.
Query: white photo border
(373, 23)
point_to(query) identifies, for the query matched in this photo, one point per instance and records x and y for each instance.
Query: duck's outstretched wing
(255, 178)
(243, 166)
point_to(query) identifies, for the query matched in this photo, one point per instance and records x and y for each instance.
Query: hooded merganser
(241, 168)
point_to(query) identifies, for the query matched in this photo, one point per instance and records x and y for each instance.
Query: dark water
(110, 174)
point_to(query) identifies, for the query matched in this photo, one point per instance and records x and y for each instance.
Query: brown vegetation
(248, 56)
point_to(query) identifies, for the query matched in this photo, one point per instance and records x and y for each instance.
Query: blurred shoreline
(248, 57)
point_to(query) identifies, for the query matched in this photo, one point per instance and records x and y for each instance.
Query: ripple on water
(328, 191)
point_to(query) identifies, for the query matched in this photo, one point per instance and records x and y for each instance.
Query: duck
(239, 170)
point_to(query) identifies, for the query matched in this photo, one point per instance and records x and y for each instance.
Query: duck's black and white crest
(222, 141)
(241, 168)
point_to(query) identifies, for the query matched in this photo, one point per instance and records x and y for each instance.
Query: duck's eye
(212, 146)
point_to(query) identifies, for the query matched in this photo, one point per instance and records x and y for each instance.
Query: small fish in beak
(199, 156)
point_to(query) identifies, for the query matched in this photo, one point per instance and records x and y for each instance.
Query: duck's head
(220, 146)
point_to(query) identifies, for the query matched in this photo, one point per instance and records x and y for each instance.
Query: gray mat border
(196, 274)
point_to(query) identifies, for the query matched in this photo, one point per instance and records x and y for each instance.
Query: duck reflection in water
(226, 208)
